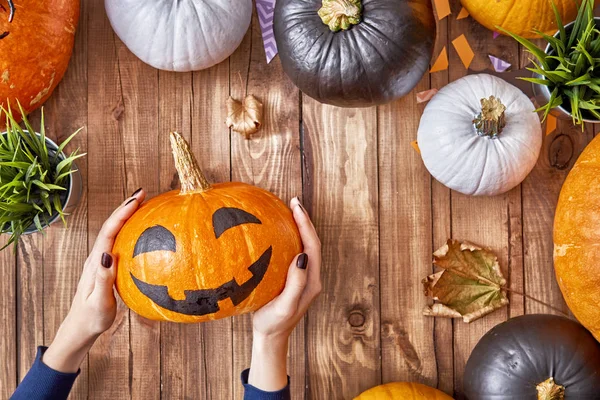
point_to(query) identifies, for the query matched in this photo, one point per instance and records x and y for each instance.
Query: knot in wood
(561, 152)
(356, 319)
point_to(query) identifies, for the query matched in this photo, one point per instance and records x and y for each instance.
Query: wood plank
(109, 359)
(407, 337)
(441, 221)
(560, 150)
(138, 128)
(8, 320)
(178, 341)
(30, 303)
(210, 142)
(540, 195)
(270, 160)
(65, 250)
(341, 193)
(483, 220)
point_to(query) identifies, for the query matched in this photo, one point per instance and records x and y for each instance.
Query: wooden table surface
(378, 212)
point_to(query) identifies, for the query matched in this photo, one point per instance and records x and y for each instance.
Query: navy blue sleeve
(252, 393)
(44, 383)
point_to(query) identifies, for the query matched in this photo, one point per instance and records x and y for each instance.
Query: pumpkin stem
(191, 177)
(491, 120)
(550, 390)
(340, 14)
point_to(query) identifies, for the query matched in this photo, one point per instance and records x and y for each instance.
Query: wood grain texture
(540, 195)
(8, 320)
(341, 193)
(110, 367)
(178, 341)
(211, 145)
(30, 307)
(482, 220)
(441, 230)
(65, 249)
(138, 128)
(378, 212)
(407, 337)
(560, 150)
(270, 160)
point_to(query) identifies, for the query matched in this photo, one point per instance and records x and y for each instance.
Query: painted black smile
(205, 301)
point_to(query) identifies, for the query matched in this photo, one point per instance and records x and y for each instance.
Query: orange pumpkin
(205, 252)
(521, 16)
(404, 391)
(36, 42)
(577, 239)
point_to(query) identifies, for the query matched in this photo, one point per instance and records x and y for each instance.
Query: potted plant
(567, 73)
(39, 184)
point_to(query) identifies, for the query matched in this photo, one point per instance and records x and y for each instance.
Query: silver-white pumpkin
(180, 35)
(463, 158)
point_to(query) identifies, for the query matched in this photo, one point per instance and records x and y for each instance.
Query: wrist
(270, 342)
(268, 369)
(68, 349)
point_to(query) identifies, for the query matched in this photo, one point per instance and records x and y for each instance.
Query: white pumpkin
(180, 35)
(477, 161)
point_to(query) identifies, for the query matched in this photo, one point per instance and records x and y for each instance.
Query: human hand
(273, 323)
(94, 306)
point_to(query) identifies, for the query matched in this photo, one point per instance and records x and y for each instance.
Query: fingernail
(300, 205)
(107, 260)
(130, 200)
(302, 262)
(136, 192)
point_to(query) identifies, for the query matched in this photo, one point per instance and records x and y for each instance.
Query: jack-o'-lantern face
(201, 301)
(207, 255)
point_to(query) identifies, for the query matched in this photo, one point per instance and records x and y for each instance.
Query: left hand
(94, 306)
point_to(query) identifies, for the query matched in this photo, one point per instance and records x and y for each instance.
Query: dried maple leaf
(470, 285)
(244, 118)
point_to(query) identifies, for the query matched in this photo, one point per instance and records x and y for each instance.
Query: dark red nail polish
(300, 204)
(302, 262)
(106, 260)
(129, 202)
(136, 192)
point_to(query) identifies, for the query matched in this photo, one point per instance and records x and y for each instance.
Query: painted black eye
(228, 217)
(153, 239)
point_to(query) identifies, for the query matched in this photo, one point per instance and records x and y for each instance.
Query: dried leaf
(245, 118)
(470, 285)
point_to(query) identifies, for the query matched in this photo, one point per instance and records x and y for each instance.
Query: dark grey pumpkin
(513, 358)
(375, 61)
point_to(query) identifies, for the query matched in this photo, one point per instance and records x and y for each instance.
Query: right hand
(278, 318)
(273, 323)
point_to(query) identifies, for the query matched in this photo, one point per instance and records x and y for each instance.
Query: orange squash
(521, 16)
(404, 391)
(35, 48)
(205, 252)
(577, 239)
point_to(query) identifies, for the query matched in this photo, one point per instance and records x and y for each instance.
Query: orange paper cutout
(415, 146)
(441, 64)
(463, 14)
(442, 7)
(464, 50)
(550, 124)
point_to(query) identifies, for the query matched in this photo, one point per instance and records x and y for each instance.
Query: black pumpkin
(517, 359)
(381, 56)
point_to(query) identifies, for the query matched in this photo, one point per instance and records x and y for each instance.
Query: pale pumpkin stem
(550, 390)
(340, 14)
(191, 177)
(491, 120)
